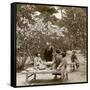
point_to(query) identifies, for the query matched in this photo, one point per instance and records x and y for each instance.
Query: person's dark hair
(63, 54)
(58, 51)
(36, 54)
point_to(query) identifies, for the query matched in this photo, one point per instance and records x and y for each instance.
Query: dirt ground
(79, 75)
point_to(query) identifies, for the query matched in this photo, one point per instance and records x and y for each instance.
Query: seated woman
(60, 64)
(38, 63)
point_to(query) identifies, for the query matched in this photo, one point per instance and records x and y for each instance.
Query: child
(74, 60)
(38, 63)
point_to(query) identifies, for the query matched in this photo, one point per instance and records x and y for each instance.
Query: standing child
(75, 61)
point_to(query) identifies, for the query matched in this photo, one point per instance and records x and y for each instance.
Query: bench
(30, 73)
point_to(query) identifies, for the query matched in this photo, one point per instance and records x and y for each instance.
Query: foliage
(37, 24)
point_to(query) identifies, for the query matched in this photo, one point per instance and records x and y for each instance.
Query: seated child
(38, 63)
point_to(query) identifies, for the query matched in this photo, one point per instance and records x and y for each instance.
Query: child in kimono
(75, 61)
(38, 63)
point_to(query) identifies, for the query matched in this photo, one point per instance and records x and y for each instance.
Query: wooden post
(34, 76)
(27, 77)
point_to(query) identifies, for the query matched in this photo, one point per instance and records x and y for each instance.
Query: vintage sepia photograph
(51, 44)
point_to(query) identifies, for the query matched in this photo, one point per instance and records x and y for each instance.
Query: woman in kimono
(60, 64)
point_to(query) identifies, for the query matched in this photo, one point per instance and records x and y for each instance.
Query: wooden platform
(33, 72)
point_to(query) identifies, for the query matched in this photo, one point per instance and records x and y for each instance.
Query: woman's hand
(58, 68)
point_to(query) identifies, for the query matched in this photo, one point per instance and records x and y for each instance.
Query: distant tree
(32, 30)
(74, 19)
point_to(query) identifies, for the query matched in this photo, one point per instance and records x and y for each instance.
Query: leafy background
(37, 24)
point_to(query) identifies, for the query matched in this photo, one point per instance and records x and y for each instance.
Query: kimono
(60, 64)
(38, 63)
(48, 54)
(74, 61)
